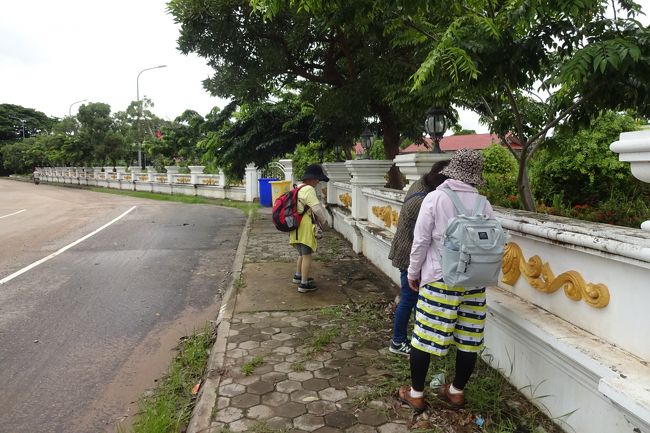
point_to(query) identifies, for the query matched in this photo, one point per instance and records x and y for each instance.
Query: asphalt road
(86, 332)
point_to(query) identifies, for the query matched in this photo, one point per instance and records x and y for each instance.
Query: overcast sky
(54, 53)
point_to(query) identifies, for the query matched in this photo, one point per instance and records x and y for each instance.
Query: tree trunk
(391, 145)
(523, 185)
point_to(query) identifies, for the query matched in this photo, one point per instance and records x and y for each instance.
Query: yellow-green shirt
(305, 234)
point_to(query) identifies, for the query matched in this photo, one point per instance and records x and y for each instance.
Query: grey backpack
(472, 246)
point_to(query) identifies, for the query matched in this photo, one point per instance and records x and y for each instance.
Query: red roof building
(452, 143)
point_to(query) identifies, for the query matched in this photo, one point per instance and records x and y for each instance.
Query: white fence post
(250, 180)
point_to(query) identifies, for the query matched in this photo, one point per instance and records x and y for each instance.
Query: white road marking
(67, 247)
(15, 213)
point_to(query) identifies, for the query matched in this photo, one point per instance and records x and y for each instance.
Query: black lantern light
(337, 152)
(366, 142)
(436, 126)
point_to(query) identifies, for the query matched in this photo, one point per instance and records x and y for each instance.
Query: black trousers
(420, 360)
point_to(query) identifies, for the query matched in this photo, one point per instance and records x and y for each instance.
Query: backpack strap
(454, 198)
(481, 202)
(415, 194)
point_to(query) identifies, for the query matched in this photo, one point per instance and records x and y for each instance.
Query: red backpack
(285, 211)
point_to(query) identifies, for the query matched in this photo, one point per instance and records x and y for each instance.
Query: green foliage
(377, 150)
(579, 168)
(309, 153)
(498, 160)
(170, 408)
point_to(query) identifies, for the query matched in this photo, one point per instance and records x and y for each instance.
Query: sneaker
(400, 348)
(298, 280)
(416, 403)
(306, 287)
(456, 400)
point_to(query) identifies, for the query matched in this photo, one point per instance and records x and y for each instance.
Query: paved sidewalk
(291, 362)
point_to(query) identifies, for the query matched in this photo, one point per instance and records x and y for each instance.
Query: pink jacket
(436, 211)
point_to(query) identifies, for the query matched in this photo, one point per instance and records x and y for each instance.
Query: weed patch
(169, 409)
(251, 365)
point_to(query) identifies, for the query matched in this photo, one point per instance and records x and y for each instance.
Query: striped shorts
(449, 314)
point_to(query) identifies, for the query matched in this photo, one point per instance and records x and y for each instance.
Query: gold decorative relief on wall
(127, 177)
(143, 178)
(210, 181)
(183, 179)
(161, 179)
(346, 199)
(541, 277)
(387, 214)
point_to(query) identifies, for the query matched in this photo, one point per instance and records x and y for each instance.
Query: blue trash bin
(265, 191)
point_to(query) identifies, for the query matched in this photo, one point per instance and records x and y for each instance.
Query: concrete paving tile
(282, 336)
(299, 324)
(216, 427)
(315, 384)
(291, 409)
(244, 401)
(283, 367)
(313, 365)
(279, 314)
(392, 427)
(278, 423)
(260, 387)
(262, 315)
(275, 399)
(322, 356)
(358, 390)
(340, 419)
(231, 346)
(231, 390)
(259, 337)
(270, 331)
(309, 422)
(335, 363)
(228, 414)
(247, 345)
(332, 394)
(361, 428)
(344, 354)
(274, 377)
(352, 371)
(372, 417)
(285, 350)
(245, 380)
(274, 358)
(321, 407)
(242, 425)
(358, 360)
(260, 324)
(367, 353)
(300, 376)
(304, 396)
(249, 319)
(379, 404)
(342, 382)
(260, 351)
(272, 344)
(326, 373)
(238, 338)
(348, 345)
(236, 354)
(261, 411)
(288, 386)
(222, 402)
(328, 429)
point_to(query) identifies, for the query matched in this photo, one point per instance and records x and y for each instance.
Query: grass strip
(244, 206)
(169, 408)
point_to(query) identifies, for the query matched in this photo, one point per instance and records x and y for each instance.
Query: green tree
(338, 59)
(579, 168)
(491, 57)
(258, 133)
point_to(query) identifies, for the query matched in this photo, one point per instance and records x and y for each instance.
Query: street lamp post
(436, 125)
(137, 90)
(22, 121)
(75, 102)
